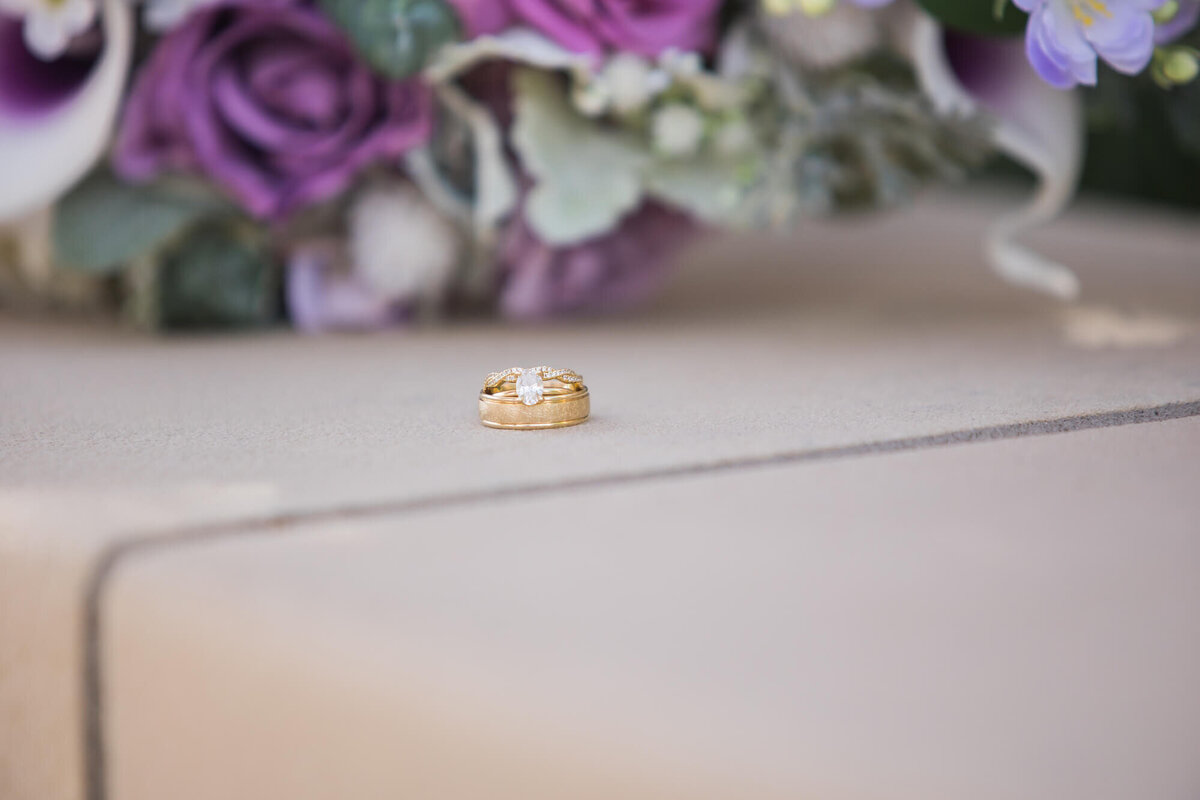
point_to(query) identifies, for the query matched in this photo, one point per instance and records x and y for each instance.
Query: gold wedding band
(532, 398)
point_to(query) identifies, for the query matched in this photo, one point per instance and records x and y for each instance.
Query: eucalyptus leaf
(396, 37)
(985, 17)
(103, 223)
(220, 275)
(587, 177)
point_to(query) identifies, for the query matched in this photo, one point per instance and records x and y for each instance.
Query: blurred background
(890, 317)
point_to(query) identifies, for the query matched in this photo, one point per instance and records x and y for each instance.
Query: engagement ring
(533, 398)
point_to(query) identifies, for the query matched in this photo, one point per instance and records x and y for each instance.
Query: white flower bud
(591, 97)
(630, 80)
(1179, 65)
(677, 130)
(50, 26)
(828, 39)
(400, 244)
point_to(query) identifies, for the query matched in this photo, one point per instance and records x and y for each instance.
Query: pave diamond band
(545, 373)
(531, 398)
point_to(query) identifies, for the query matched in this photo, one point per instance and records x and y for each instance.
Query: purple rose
(270, 102)
(609, 272)
(482, 17)
(647, 27)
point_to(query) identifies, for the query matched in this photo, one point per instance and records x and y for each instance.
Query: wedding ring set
(532, 398)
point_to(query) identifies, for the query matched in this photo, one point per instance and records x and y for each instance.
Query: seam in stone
(106, 564)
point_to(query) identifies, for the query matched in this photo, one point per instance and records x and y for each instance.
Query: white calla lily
(1038, 126)
(43, 154)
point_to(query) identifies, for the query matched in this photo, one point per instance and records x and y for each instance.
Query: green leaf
(104, 223)
(709, 188)
(985, 17)
(587, 177)
(220, 275)
(396, 37)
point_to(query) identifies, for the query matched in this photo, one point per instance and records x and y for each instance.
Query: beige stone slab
(851, 334)
(1010, 620)
(846, 334)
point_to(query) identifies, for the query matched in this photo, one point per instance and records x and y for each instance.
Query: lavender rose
(270, 102)
(609, 272)
(647, 27)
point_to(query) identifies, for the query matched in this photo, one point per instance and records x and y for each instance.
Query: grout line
(95, 766)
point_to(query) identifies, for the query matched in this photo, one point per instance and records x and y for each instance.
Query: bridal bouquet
(354, 164)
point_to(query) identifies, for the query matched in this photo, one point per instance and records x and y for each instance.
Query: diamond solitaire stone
(530, 387)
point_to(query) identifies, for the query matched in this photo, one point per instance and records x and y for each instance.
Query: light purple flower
(270, 102)
(609, 272)
(325, 294)
(1064, 38)
(646, 27)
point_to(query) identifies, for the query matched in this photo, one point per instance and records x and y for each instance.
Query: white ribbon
(1037, 125)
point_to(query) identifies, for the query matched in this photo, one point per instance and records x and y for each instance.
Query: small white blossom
(633, 82)
(626, 84)
(833, 37)
(681, 63)
(163, 15)
(400, 244)
(50, 25)
(734, 137)
(677, 130)
(712, 91)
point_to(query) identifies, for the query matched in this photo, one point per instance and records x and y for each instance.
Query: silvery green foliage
(585, 134)
(396, 37)
(465, 170)
(869, 139)
(757, 140)
(859, 136)
(465, 173)
(586, 177)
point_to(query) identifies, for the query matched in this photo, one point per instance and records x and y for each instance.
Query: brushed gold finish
(565, 401)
